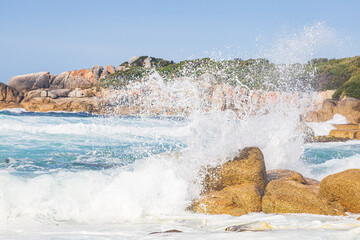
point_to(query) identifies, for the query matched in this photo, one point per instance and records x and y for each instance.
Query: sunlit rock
(235, 200)
(289, 196)
(247, 167)
(343, 188)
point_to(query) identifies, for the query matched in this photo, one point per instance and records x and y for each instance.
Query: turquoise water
(38, 143)
(321, 153)
(35, 143)
(81, 176)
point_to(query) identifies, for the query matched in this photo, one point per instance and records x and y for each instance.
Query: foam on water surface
(324, 128)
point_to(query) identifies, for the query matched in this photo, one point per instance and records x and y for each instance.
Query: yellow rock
(345, 134)
(285, 174)
(288, 196)
(347, 126)
(60, 104)
(234, 200)
(343, 188)
(248, 167)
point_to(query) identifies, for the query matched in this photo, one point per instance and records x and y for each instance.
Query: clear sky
(61, 35)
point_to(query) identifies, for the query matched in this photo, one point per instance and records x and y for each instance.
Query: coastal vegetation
(342, 75)
(319, 74)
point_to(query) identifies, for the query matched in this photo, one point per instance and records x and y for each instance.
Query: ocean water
(81, 176)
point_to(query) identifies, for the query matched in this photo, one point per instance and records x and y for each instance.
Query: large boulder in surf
(236, 187)
(9, 95)
(30, 81)
(235, 200)
(343, 188)
(290, 195)
(247, 167)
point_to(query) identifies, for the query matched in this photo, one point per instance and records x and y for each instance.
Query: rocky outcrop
(235, 200)
(292, 196)
(347, 126)
(348, 107)
(342, 132)
(343, 188)
(40, 104)
(9, 95)
(289, 192)
(84, 78)
(345, 134)
(30, 81)
(247, 167)
(237, 188)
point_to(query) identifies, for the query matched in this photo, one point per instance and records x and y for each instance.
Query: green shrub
(350, 89)
(122, 78)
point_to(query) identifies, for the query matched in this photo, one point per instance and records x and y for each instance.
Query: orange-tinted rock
(235, 200)
(110, 69)
(288, 196)
(247, 167)
(343, 188)
(345, 134)
(347, 126)
(84, 78)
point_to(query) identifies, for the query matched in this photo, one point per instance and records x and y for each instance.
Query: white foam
(335, 165)
(14, 110)
(324, 128)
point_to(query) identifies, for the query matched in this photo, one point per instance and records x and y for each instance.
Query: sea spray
(156, 163)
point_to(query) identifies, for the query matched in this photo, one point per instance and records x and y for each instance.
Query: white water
(128, 201)
(324, 128)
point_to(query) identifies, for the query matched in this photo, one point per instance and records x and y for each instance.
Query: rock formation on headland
(348, 107)
(130, 88)
(243, 186)
(69, 91)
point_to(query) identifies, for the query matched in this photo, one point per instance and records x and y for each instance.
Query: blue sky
(55, 36)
